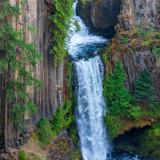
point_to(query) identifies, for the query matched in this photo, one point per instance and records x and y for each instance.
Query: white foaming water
(90, 102)
(77, 40)
(90, 111)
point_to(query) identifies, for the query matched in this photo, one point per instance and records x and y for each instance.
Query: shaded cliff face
(140, 12)
(50, 95)
(143, 13)
(100, 15)
(138, 62)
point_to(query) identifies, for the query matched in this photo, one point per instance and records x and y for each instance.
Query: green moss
(22, 155)
(138, 38)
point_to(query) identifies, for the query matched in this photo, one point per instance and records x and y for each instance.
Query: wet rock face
(135, 12)
(100, 15)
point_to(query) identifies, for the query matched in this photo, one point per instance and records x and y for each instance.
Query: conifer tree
(115, 91)
(144, 88)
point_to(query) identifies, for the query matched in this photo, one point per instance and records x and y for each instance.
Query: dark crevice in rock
(130, 140)
(100, 16)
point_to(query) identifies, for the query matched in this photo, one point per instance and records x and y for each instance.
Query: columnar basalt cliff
(139, 13)
(143, 12)
(35, 13)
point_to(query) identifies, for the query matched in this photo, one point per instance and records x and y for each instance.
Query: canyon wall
(35, 13)
(140, 13)
(100, 15)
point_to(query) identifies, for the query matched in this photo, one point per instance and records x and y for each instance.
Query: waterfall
(82, 47)
(90, 110)
(90, 107)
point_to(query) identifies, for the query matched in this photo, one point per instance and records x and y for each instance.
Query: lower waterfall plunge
(90, 110)
(83, 48)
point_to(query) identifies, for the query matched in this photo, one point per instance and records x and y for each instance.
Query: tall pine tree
(117, 95)
(144, 88)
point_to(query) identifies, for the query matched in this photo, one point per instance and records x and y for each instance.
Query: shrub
(63, 118)
(135, 112)
(44, 131)
(125, 39)
(22, 155)
(150, 143)
(113, 125)
(156, 51)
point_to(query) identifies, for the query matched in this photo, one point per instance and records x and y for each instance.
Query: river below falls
(83, 49)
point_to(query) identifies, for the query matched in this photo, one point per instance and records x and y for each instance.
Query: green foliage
(18, 61)
(113, 125)
(60, 19)
(149, 36)
(8, 10)
(135, 112)
(150, 143)
(69, 80)
(63, 118)
(153, 110)
(156, 51)
(44, 132)
(18, 116)
(125, 39)
(22, 155)
(116, 94)
(18, 113)
(145, 31)
(73, 134)
(144, 88)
